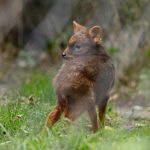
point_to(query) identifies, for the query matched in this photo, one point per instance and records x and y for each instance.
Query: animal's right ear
(96, 34)
(77, 27)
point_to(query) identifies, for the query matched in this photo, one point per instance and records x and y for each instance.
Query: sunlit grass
(22, 124)
(40, 86)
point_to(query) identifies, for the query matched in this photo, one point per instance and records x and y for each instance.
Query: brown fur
(85, 79)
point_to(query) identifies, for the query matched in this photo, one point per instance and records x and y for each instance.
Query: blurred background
(33, 34)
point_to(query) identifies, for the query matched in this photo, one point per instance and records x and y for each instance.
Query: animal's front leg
(93, 117)
(54, 116)
(71, 115)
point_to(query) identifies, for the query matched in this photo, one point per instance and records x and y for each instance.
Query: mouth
(66, 57)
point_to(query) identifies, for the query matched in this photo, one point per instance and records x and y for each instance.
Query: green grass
(22, 121)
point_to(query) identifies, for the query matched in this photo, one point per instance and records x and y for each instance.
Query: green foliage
(53, 49)
(148, 53)
(130, 11)
(52, 44)
(113, 50)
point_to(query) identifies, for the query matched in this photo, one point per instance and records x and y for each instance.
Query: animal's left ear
(77, 27)
(96, 33)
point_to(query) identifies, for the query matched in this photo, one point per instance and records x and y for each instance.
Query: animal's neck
(104, 56)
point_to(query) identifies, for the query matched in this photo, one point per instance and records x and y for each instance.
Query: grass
(22, 121)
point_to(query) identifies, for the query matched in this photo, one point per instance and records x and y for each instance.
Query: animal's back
(105, 81)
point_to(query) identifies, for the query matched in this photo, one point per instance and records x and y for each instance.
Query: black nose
(63, 54)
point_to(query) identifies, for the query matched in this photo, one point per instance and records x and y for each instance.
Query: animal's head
(83, 41)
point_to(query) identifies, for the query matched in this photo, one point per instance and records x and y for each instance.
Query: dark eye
(77, 46)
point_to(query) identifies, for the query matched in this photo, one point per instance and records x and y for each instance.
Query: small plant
(148, 53)
(113, 50)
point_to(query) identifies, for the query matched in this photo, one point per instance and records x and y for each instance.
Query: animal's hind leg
(93, 117)
(54, 116)
(102, 108)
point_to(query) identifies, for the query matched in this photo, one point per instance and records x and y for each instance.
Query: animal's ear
(77, 27)
(96, 33)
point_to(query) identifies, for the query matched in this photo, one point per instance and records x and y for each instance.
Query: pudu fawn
(85, 79)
